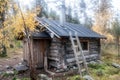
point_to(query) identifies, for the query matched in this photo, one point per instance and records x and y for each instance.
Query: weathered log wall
(56, 55)
(94, 47)
(60, 52)
(62, 55)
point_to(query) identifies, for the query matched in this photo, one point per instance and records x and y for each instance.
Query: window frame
(87, 45)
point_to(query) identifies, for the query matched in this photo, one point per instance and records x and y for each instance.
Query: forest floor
(103, 71)
(13, 57)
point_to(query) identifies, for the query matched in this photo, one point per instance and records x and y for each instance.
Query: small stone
(100, 62)
(1, 72)
(20, 63)
(87, 77)
(24, 62)
(7, 59)
(10, 72)
(43, 77)
(8, 67)
(116, 65)
(74, 67)
(60, 70)
(20, 67)
(1, 65)
(93, 62)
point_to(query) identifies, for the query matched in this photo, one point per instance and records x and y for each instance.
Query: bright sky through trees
(116, 4)
(29, 3)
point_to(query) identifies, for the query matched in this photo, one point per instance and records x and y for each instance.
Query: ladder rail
(81, 51)
(77, 48)
(76, 57)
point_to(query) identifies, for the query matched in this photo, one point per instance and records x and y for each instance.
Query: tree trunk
(4, 51)
(2, 19)
(31, 62)
(118, 47)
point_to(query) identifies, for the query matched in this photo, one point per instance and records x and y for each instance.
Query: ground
(13, 58)
(101, 71)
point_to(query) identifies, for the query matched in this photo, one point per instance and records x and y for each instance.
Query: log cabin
(54, 43)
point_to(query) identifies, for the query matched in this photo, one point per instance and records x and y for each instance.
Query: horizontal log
(53, 64)
(93, 56)
(55, 44)
(69, 55)
(54, 55)
(70, 52)
(55, 48)
(52, 58)
(69, 49)
(54, 51)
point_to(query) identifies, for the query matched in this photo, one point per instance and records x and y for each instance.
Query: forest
(19, 21)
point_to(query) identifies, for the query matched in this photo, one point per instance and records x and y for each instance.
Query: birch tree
(102, 17)
(22, 24)
(3, 10)
(116, 33)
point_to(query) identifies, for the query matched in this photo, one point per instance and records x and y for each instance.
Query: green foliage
(75, 77)
(100, 72)
(25, 79)
(116, 33)
(3, 51)
(14, 78)
(18, 44)
(97, 66)
(110, 70)
(5, 75)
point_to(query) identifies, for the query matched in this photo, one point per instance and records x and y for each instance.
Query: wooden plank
(54, 51)
(48, 28)
(54, 55)
(52, 58)
(69, 60)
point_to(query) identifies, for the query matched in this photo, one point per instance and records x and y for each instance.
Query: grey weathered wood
(61, 51)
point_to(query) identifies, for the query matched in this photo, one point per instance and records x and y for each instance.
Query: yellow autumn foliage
(3, 5)
(16, 23)
(101, 22)
(104, 32)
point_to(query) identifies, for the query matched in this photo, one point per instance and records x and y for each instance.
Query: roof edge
(47, 27)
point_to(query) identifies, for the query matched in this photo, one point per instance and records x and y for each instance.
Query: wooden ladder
(76, 45)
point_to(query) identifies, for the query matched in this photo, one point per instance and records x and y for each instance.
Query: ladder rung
(76, 46)
(83, 70)
(74, 38)
(78, 53)
(80, 62)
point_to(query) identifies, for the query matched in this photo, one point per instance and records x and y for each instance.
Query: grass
(105, 70)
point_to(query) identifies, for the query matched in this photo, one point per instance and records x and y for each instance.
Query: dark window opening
(84, 45)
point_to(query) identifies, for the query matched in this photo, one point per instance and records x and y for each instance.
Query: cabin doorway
(39, 49)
